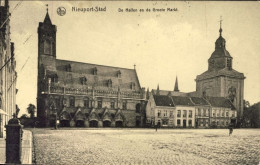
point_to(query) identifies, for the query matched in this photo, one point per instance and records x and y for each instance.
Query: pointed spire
(47, 19)
(176, 88)
(220, 29)
(158, 90)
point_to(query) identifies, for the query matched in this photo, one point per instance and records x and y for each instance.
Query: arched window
(138, 108)
(47, 47)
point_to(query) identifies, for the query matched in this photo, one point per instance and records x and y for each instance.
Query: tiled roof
(221, 72)
(179, 100)
(163, 101)
(220, 102)
(126, 79)
(171, 93)
(199, 101)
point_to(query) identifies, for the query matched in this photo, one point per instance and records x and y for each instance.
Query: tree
(31, 110)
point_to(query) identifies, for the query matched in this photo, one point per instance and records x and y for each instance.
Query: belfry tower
(46, 63)
(221, 80)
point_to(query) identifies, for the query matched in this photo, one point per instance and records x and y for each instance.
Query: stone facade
(221, 80)
(8, 74)
(82, 94)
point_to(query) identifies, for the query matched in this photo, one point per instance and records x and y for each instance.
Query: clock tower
(221, 80)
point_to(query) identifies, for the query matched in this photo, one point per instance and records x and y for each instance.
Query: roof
(221, 72)
(47, 19)
(171, 93)
(163, 101)
(220, 102)
(179, 100)
(103, 75)
(199, 101)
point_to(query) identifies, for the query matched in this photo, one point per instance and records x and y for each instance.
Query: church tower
(221, 80)
(46, 63)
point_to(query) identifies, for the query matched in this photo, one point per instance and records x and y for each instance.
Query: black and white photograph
(129, 82)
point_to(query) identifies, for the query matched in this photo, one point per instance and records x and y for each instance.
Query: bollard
(13, 141)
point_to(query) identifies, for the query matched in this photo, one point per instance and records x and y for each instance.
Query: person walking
(230, 130)
(156, 127)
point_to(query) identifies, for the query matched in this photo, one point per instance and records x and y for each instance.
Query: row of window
(222, 114)
(86, 104)
(203, 112)
(165, 113)
(184, 114)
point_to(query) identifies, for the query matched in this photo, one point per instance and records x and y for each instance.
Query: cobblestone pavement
(145, 146)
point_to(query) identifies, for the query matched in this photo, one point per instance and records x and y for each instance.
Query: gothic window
(83, 80)
(138, 108)
(109, 83)
(204, 112)
(47, 47)
(72, 101)
(112, 105)
(86, 102)
(99, 104)
(124, 105)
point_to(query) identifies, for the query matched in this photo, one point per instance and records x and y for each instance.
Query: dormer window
(68, 68)
(119, 74)
(83, 80)
(95, 71)
(133, 86)
(109, 83)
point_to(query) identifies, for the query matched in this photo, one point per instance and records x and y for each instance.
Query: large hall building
(83, 94)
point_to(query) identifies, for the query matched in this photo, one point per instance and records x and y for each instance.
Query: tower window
(112, 105)
(229, 64)
(133, 86)
(47, 47)
(99, 104)
(95, 71)
(119, 74)
(68, 68)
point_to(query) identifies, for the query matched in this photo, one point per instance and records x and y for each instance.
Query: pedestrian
(156, 127)
(230, 130)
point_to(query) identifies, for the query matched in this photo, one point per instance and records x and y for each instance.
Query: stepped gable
(163, 101)
(96, 75)
(220, 102)
(179, 100)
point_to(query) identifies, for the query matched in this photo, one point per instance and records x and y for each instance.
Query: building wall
(182, 118)
(221, 117)
(8, 74)
(202, 116)
(220, 87)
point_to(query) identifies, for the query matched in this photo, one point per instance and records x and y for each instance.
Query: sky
(163, 45)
